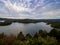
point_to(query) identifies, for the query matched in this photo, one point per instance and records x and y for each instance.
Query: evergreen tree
(21, 36)
(28, 36)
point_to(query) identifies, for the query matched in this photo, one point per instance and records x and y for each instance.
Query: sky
(32, 9)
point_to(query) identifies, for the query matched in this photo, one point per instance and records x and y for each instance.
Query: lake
(31, 28)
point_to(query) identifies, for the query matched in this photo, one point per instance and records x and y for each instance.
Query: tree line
(41, 37)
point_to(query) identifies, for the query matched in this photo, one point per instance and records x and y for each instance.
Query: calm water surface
(15, 28)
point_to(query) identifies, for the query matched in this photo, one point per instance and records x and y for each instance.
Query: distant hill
(3, 18)
(29, 20)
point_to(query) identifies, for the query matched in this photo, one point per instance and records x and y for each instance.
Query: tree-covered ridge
(39, 38)
(54, 22)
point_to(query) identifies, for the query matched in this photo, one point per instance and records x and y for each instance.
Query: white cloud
(50, 14)
(16, 7)
(23, 10)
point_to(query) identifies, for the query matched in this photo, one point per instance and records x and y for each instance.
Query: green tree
(53, 32)
(36, 35)
(42, 33)
(21, 36)
(28, 36)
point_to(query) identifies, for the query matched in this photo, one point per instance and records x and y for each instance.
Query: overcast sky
(38, 9)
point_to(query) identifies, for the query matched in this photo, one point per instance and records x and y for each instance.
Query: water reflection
(2, 21)
(15, 28)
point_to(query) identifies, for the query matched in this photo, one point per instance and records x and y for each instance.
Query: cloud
(30, 8)
(51, 14)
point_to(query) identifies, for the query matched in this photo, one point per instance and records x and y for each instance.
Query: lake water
(2, 21)
(32, 28)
